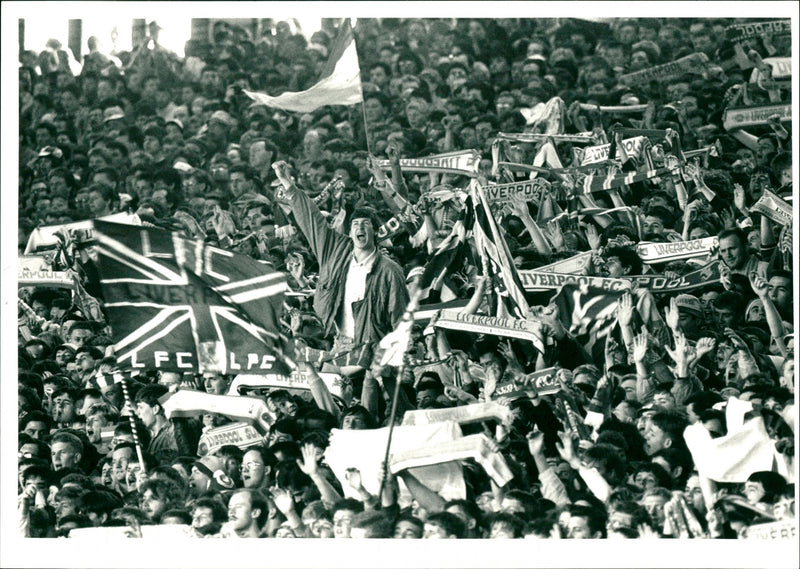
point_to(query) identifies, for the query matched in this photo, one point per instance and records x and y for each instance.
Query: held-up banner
(741, 32)
(538, 281)
(735, 118)
(186, 403)
(296, 380)
(774, 531)
(781, 67)
(34, 270)
(692, 63)
(463, 414)
(239, 434)
(774, 208)
(545, 381)
(80, 231)
(651, 253)
(492, 325)
(464, 162)
(594, 154)
(531, 190)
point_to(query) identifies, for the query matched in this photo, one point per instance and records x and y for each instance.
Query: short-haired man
(149, 409)
(66, 450)
(733, 252)
(781, 293)
(664, 430)
(361, 293)
(247, 514)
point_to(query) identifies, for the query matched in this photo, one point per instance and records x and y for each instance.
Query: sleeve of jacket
(320, 237)
(398, 295)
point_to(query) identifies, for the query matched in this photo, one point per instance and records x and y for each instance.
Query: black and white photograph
(385, 271)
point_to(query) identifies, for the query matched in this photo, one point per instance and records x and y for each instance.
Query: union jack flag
(587, 312)
(490, 242)
(179, 304)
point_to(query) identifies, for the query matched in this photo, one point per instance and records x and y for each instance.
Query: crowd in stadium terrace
(598, 307)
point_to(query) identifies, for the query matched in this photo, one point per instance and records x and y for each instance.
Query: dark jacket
(386, 296)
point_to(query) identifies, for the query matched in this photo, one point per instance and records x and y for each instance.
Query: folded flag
(341, 87)
(181, 305)
(746, 448)
(473, 446)
(493, 247)
(365, 450)
(587, 312)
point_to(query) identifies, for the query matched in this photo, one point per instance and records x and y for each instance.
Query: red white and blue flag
(181, 305)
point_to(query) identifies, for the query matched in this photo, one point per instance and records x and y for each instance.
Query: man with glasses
(257, 467)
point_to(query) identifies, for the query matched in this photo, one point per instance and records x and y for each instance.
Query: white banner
(45, 237)
(774, 531)
(463, 162)
(492, 325)
(187, 403)
(462, 414)
(239, 434)
(365, 450)
(473, 446)
(692, 63)
(531, 190)
(664, 252)
(594, 154)
(754, 116)
(774, 208)
(296, 380)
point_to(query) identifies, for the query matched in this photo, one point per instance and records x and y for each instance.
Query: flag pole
(408, 315)
(360, 88)
(134, 430)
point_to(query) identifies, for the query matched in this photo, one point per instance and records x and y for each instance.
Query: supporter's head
(764, 487)
(66, 450)
(444, 525)
(664, 430)
(35, 424)
(208, 474)
(657, 220)
(408, 527)
(586, 522)
(157, 496)
(216, 383)
(98, 417)
(257, 466)
(503, 525)
(729, 309)
(429, 389)
(97, 505)
(608, 460)
(621, 261)
(371, 524)
(343, 513)
(282, 403)
(80, 333)
(208, 515)
(148, 406)
(357, 417)
(733, 248)
(780, 292)
(699, 402)
(231, 456)
(63, 408)
(653, 501)
(649, 475)
(627, 514)
(247, 511)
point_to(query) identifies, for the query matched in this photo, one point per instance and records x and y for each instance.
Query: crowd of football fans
(175, 142)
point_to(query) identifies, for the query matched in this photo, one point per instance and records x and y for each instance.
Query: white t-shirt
(355, 286)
